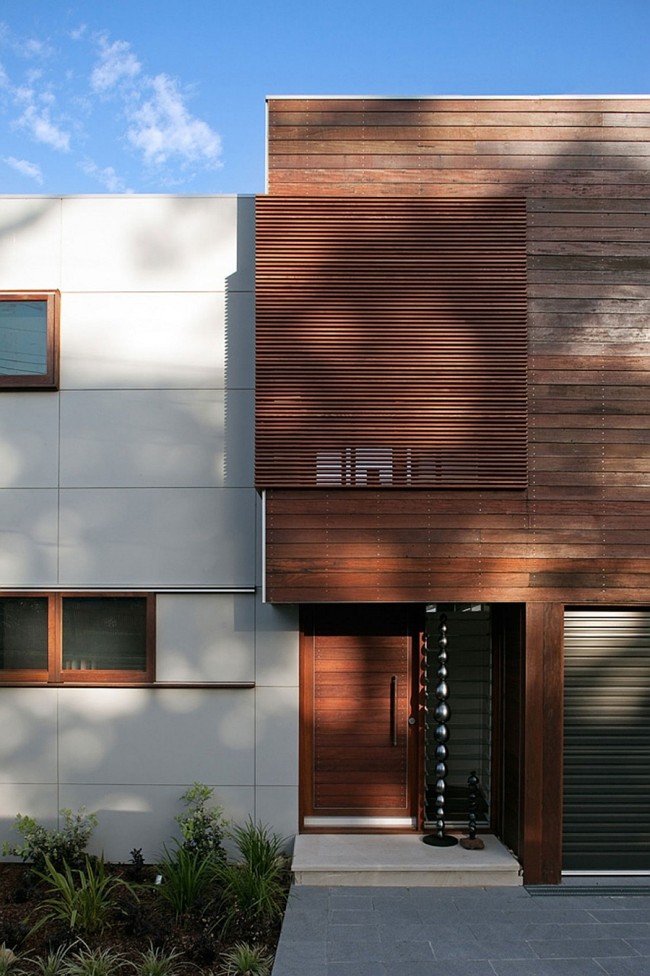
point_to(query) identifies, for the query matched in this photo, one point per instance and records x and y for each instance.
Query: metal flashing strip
(264, 546)
(129, 588)
(473, 98)
(337, 822)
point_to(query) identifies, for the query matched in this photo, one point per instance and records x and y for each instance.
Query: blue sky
(154, 96)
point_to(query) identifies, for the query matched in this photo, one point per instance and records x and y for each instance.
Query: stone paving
(494, 931)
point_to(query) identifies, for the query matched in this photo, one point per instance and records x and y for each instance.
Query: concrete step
(399, 860)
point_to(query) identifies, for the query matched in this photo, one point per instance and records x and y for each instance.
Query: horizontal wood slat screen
(391, 343)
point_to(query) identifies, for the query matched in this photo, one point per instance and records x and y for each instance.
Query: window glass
(104, 634)
(23, 633)
(23, 338)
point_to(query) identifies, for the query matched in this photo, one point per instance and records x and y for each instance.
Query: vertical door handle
(393, 710)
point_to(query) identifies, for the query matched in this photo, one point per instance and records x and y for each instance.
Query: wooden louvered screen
(607, 740)
(391, 343)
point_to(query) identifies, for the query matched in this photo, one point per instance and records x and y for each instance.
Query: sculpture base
(472, 843)
(434, 841)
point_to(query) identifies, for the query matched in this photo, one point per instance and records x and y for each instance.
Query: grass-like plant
(159, 962)
(8, 959)
(259, 848)
(83, 899)
(186, 878)
(94, 962)
(53, 964)
(246, 960)
(254, 888)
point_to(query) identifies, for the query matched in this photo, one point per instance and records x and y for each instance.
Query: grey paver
(490, 932)
(636, 966)
(451, 968)
(580, 948)
(370, 968)
(547, 967)
(641, 946)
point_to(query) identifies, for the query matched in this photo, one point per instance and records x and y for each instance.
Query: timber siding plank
(581, 530)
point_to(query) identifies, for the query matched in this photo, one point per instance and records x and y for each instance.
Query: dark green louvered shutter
(607, 740)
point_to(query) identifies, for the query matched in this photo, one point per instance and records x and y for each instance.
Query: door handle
(393, 710)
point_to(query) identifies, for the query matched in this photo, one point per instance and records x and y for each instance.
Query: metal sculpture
(472, 785)
(441, 714)
(472, 842)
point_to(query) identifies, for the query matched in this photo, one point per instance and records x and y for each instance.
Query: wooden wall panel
(541, 848)
(447, 147)
(581, 530)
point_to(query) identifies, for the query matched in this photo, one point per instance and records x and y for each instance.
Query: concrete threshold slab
(401, 860)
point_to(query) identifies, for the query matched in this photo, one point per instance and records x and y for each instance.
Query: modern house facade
(440, 309)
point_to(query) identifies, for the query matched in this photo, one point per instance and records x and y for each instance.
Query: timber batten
(391, 343)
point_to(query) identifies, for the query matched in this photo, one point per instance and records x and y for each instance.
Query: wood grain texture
(580, 530)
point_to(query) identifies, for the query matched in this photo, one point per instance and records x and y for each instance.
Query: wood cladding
(581, 530)
(391, 343)
(587, 147)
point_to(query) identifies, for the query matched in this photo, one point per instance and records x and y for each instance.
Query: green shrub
(202, 827)
(186, 878)
(65, 845)
(246, 960)
(83, 903)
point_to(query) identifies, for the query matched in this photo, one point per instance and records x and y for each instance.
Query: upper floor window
(86, 639)
(29, 340)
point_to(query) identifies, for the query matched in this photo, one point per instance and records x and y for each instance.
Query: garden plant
(65, 912)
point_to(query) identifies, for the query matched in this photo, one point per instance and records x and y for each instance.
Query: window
(29, 340)
(77, 639)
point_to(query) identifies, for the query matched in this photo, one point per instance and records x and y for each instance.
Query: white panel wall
(139, 473)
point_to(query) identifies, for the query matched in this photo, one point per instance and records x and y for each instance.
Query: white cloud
(36, 120)
(106, 176)
(162, 127)
(117, 63)
(33, 48)
(101, 96)
(26, 168)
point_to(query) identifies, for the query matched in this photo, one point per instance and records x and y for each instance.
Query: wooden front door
(358, 749)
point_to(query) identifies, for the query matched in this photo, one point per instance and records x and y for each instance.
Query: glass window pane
(23, 633)
(105, 634)
(23, 338)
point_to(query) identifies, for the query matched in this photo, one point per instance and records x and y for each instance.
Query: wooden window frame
(55, 674)
(49, 380)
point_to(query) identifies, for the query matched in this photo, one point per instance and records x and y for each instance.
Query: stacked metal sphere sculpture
(441, 715)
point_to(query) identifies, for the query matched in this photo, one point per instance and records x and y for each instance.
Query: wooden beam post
(543, 743)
